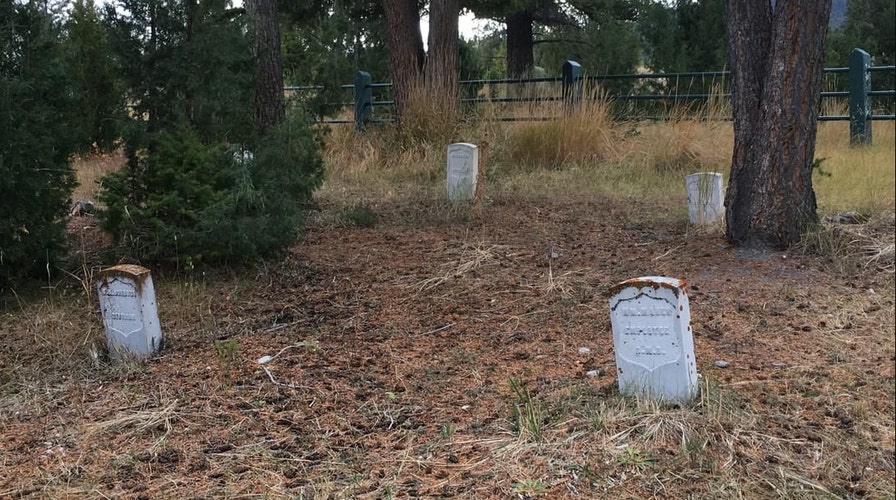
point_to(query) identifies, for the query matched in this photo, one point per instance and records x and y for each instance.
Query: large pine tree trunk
(443, 59)
(268, 103)
(776, 56)
(406, 54)
(520, 42)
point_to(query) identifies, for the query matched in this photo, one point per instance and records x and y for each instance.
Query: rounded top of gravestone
(701, 174)
(655, 282)
(462, 144)
(132, 271)
(858, 53)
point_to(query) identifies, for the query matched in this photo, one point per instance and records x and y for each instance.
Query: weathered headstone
(130, 314)
(652, 339)
(705, 197)
(463, 170)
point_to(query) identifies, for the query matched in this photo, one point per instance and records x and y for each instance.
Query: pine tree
(202, 183)
(35, 177)
(777, 57)
(97, 110)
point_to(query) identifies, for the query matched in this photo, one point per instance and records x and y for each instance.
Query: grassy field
(432, 349)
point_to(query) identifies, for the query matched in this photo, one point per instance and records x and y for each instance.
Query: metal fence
(639, 96)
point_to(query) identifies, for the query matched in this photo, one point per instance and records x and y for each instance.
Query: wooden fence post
(859, 100)
(363, 98)
(572, 84)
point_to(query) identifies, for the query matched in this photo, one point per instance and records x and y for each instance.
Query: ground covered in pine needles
(424, 349)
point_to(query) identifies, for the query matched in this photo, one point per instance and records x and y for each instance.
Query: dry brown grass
(852, 248)
(692, 138)
(584, 136)
(90, 169)
(859, 178)
(579, 153)
(471, 257)
(428, 119)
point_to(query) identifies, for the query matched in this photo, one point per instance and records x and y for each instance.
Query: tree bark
(406, 56)
(520, 55)
(776, 56)
(268, 101)
(443, 60)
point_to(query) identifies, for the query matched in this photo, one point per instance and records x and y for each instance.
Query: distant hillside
(838, 12)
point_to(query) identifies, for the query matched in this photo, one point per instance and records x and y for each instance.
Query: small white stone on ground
(592, 373)
(584, 350)
(720, 363)
(264, 359)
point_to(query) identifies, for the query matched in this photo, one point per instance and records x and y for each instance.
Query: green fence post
(572, 84)
(363, 98)
(859, 100)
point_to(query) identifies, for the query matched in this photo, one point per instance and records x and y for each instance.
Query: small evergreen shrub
(201, 184)
(263, 213)
(154, 205)
(186, 202)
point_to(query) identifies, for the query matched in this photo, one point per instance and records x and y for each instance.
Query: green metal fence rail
(646, 95)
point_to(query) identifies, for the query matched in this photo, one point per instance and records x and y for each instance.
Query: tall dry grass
(588, 152)
(584, 135)
(429, 117)
(693, 137)
(585, 152)
(856, 184)
(860, 178)
(90, 169)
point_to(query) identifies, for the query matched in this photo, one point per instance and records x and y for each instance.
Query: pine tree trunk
(406, 54)
(520, 55)
(776, 56)
(268, 103)
(443, 60)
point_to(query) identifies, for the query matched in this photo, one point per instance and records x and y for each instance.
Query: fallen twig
(439, 329)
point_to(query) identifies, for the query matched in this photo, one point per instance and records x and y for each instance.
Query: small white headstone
(463, 168)
(652, 339)
(705, 198)
(130, 314)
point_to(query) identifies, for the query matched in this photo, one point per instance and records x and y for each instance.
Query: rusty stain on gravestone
(652, 339)
(130, 314)
(463, 170)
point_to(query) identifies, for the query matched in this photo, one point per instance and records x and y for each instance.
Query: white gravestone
(463, 169)
(705, 198)
(652, 339)
(130, 314)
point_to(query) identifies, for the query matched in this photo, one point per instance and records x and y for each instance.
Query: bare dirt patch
(437, 354)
